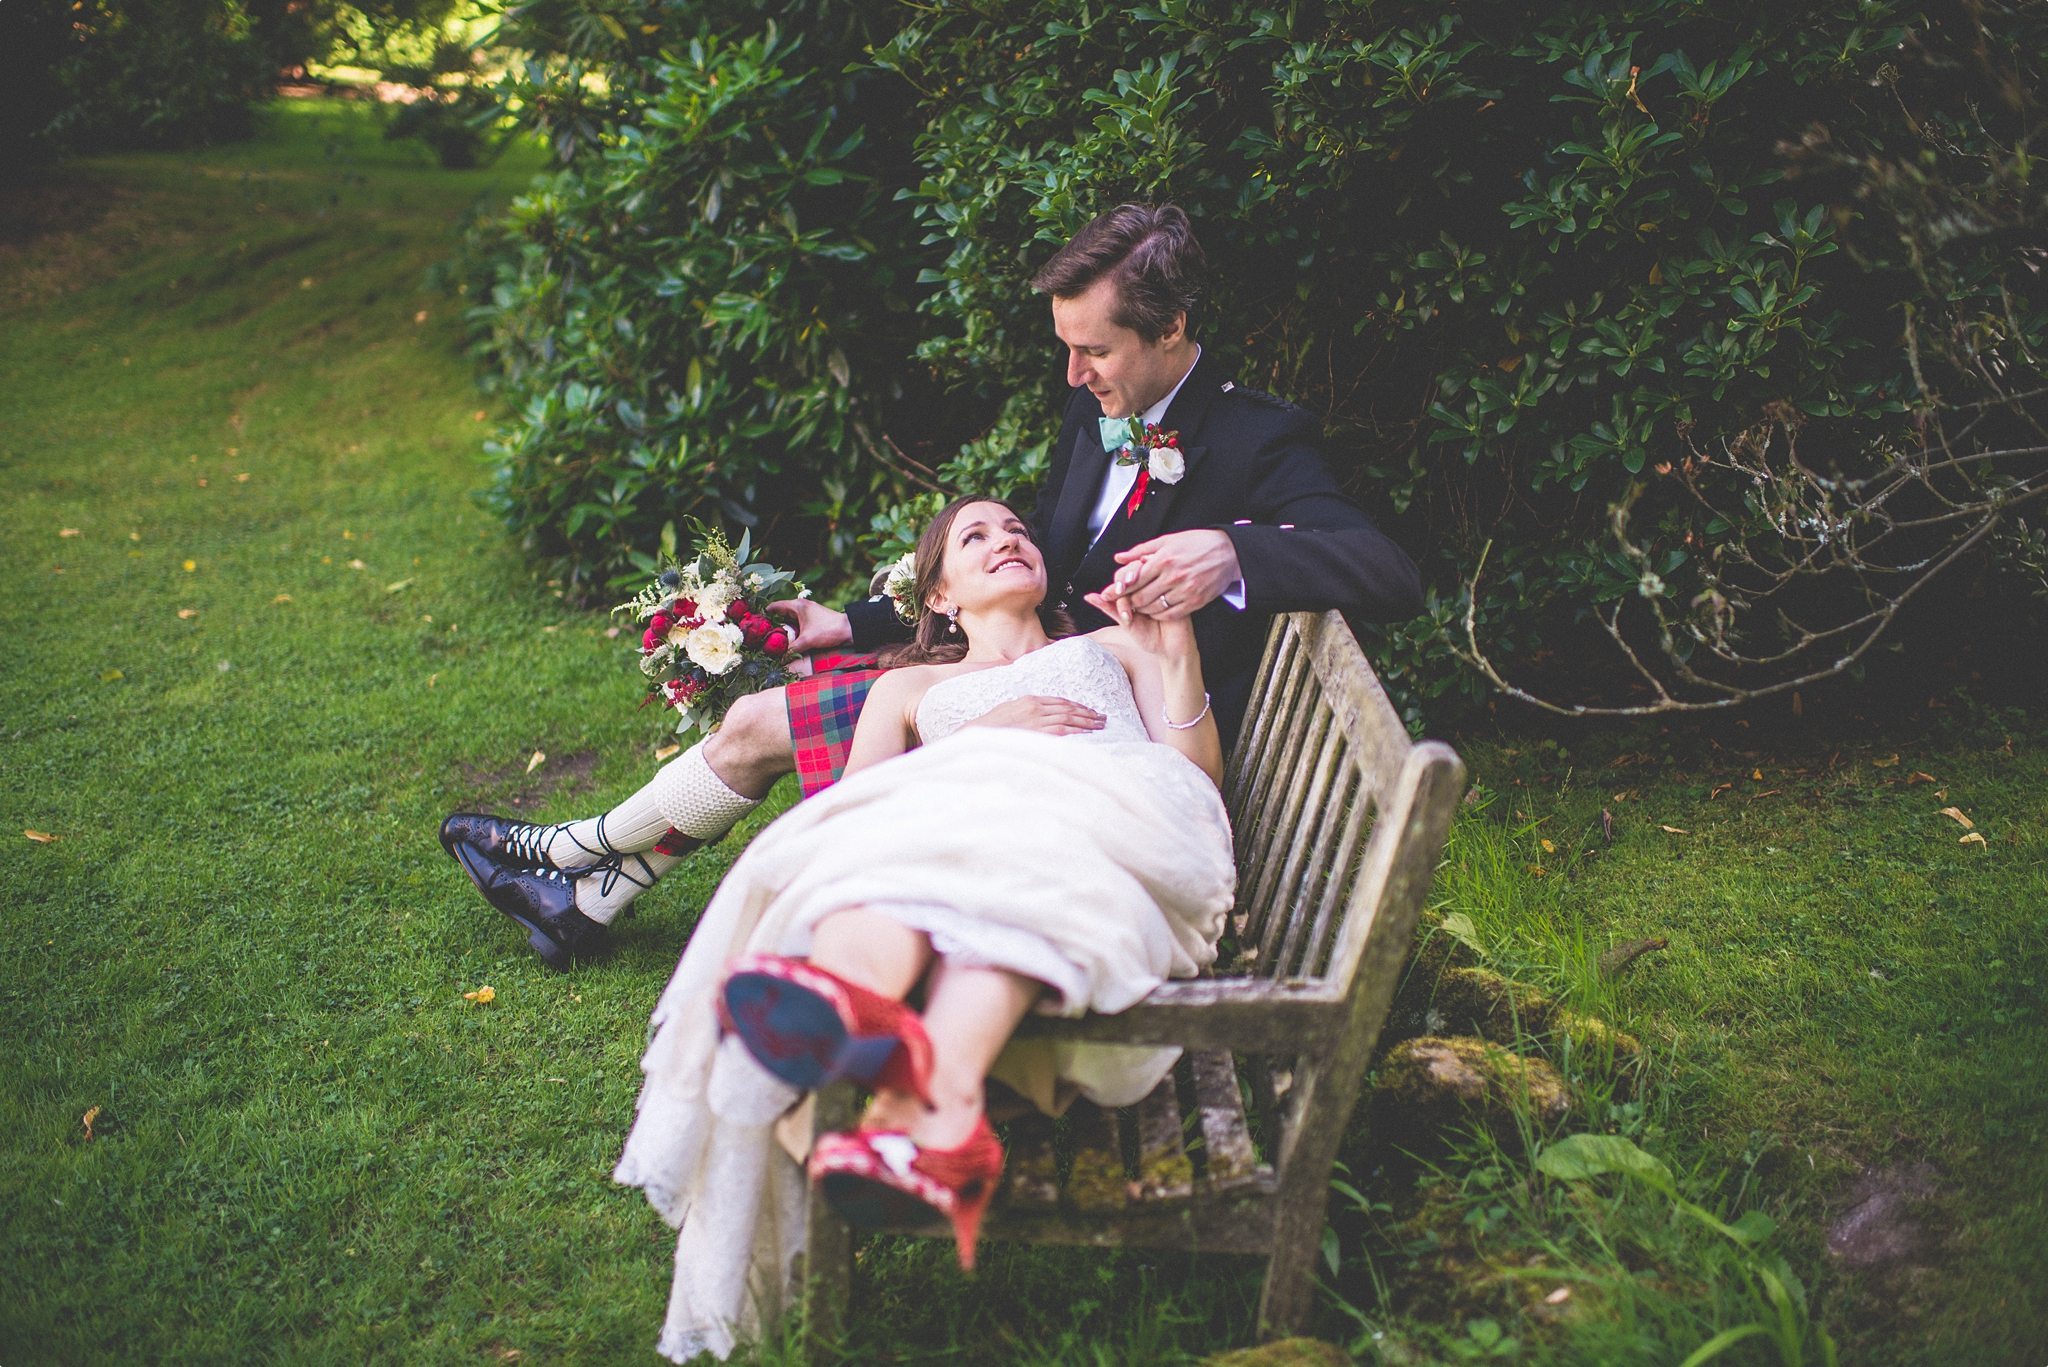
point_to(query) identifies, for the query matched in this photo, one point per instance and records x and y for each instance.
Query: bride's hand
(1037, 712)
(1172, 638)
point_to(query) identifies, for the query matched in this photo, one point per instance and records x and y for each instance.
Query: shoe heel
(551, 954)
(866, 1058)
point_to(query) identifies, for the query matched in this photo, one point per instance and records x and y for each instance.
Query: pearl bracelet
(1191, 723)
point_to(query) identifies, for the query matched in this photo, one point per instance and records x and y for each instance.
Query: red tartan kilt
(822, 713)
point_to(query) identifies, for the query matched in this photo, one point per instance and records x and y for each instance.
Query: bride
(1029, 821)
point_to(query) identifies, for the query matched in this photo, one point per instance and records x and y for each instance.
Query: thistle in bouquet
(708, 640)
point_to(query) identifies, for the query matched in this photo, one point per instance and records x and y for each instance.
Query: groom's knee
(754, 739)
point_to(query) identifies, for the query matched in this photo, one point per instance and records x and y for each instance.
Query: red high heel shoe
(884, 1177)
(809, 1026)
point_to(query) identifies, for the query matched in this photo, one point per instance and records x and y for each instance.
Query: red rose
(683, 607)
(650, 641)
(661, 623)
(754, 630)
(776, 642)
(737, 613)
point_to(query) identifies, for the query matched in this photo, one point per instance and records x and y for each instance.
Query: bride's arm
(1166, 680)
(884, 729)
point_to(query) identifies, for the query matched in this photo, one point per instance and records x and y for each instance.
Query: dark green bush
(706, 311)
(1652, 299)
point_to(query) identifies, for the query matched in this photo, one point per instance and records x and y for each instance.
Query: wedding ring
(1165, 602)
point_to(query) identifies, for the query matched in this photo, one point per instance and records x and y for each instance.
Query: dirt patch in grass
(510, 785)
(1883, 1221)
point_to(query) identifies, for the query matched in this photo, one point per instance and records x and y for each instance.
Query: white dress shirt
(1117, 482)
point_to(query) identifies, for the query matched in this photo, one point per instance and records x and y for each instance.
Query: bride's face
(990, 559)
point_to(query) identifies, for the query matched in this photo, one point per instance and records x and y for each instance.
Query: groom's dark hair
(1149, 250)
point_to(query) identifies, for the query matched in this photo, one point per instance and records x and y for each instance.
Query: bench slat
(1031, 1172)
(1334, 895)
(1322, 867)
(1165, 1172)
(1228, 1159)
(1262, 841)
(1269, 890)
(1096, 1182)
(1307, 841)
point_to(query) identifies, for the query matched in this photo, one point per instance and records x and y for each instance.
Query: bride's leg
(970, 1014)
(870, 950)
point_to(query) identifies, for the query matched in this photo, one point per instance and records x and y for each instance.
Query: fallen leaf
(187, 614)
(431, 678)
(111, 675)
(1548, 846)
(347, 535)
(357, 565)
(400, 587)
(1917, 777)
(1884, 763)
(1757, 775)
(1559, 1296)
(611, 633)
(1673, 830)
(1607, 825)
(1956, 814)
(41, 837)
(483, 996)
(477, 416)
(86, 1120)
(1719, 789)
(540, 757)
(202, 481)
(1973, 838)
(282, 598)
(135, 536)
(242, 478)
(69, 531)
(191, 565)
(664, 753)
(305, 282)
(420, 317)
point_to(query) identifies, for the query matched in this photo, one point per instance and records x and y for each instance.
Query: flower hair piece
(899, 582)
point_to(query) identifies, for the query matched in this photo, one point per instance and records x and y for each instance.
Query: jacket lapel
(1086, 467)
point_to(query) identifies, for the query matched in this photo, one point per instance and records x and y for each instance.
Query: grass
(242, 705)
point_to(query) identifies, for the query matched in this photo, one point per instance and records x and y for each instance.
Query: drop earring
(952, 621)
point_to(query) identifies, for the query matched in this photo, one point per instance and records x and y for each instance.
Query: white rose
(1166, 464)
(715, 647)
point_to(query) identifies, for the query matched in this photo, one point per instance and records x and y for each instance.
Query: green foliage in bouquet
(708, 640)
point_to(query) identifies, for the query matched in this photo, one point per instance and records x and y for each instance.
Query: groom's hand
(1177, 574)
(817, 626)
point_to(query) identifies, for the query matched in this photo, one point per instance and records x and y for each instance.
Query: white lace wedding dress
(1098, 863)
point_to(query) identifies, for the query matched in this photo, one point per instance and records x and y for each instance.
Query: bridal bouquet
(708, 640)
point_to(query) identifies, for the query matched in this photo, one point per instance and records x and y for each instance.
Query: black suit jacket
(1254, 472)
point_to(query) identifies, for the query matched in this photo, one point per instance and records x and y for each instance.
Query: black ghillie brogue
(541, 900)
(515, 844)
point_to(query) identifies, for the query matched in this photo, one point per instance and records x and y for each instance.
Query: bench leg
(1289, 1292)
(828, 1242)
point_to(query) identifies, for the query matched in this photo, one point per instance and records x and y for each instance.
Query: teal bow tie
(1116, 434)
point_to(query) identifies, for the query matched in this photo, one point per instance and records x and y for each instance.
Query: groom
(1237, 519)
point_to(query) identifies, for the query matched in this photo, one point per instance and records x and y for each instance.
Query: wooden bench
(1340, 820)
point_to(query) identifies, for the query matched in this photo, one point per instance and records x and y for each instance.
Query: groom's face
(1125, 371)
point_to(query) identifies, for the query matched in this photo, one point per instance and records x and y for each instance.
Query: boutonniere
(1157, 454)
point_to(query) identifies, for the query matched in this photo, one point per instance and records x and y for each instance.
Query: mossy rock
(1462, 999)
(1295, 1352)
(1429, 1084)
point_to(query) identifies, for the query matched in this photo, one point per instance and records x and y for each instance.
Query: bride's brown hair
(934, 645)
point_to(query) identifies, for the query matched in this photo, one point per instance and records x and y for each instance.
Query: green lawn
(261, 637)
